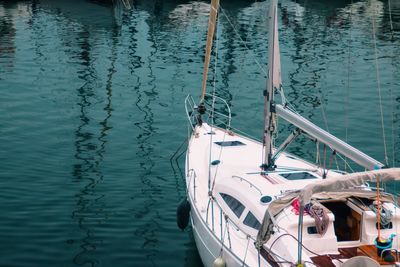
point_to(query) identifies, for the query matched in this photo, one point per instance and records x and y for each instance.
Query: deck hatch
(298, 175)
(235, 205)
(230, 143)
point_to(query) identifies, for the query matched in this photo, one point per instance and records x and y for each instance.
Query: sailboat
(281, 210)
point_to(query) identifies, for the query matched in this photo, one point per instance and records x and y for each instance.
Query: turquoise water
(91, 112)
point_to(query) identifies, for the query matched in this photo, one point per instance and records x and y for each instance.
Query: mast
(273, 82)
(212, 22)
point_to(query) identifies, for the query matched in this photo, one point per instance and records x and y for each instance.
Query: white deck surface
(239, 175)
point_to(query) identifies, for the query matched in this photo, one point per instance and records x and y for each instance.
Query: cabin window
(298, 175)
(230, 143)
(312, 230)
(233, 204)
(252, 221)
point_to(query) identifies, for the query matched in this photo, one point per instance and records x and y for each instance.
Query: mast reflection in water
(91, 111)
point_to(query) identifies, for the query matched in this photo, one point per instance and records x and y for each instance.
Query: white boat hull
(208, 245)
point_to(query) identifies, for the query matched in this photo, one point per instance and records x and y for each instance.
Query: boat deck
(226, 166)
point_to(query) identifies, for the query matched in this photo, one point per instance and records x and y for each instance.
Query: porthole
(265, 199)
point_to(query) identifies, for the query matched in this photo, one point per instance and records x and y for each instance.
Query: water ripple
(91, 112)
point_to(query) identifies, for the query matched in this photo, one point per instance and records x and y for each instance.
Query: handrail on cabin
(250, 183)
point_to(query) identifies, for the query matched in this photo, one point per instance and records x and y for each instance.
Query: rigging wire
(379, 90)
(395, 208)
(247, 249)
(281, 91)
(243, 42)
(317, 154)
(214, 85)
(227, 230)
(210, 188)
(213, 106)
(346, 162)
(223, 236)
(285, 102)
(347, 92)
(392, 125)
(391, 90)
(323, 107)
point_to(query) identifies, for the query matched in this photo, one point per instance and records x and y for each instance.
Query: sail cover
(347, 181)
(210, 37)
(339, 188)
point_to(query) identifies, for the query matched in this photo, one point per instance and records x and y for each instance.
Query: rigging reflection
(146, 95)
(90, 147)
(7, 36)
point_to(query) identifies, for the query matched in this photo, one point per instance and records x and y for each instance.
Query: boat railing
(190, 108)
(225, 222)
(228, 221)
(250, 183)
(192, 177)
(217, 111)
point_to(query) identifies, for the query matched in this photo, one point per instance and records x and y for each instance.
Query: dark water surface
(91, 111)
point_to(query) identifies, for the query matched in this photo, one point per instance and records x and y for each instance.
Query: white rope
(379, 90)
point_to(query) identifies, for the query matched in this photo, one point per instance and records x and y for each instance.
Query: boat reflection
(92, 14)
